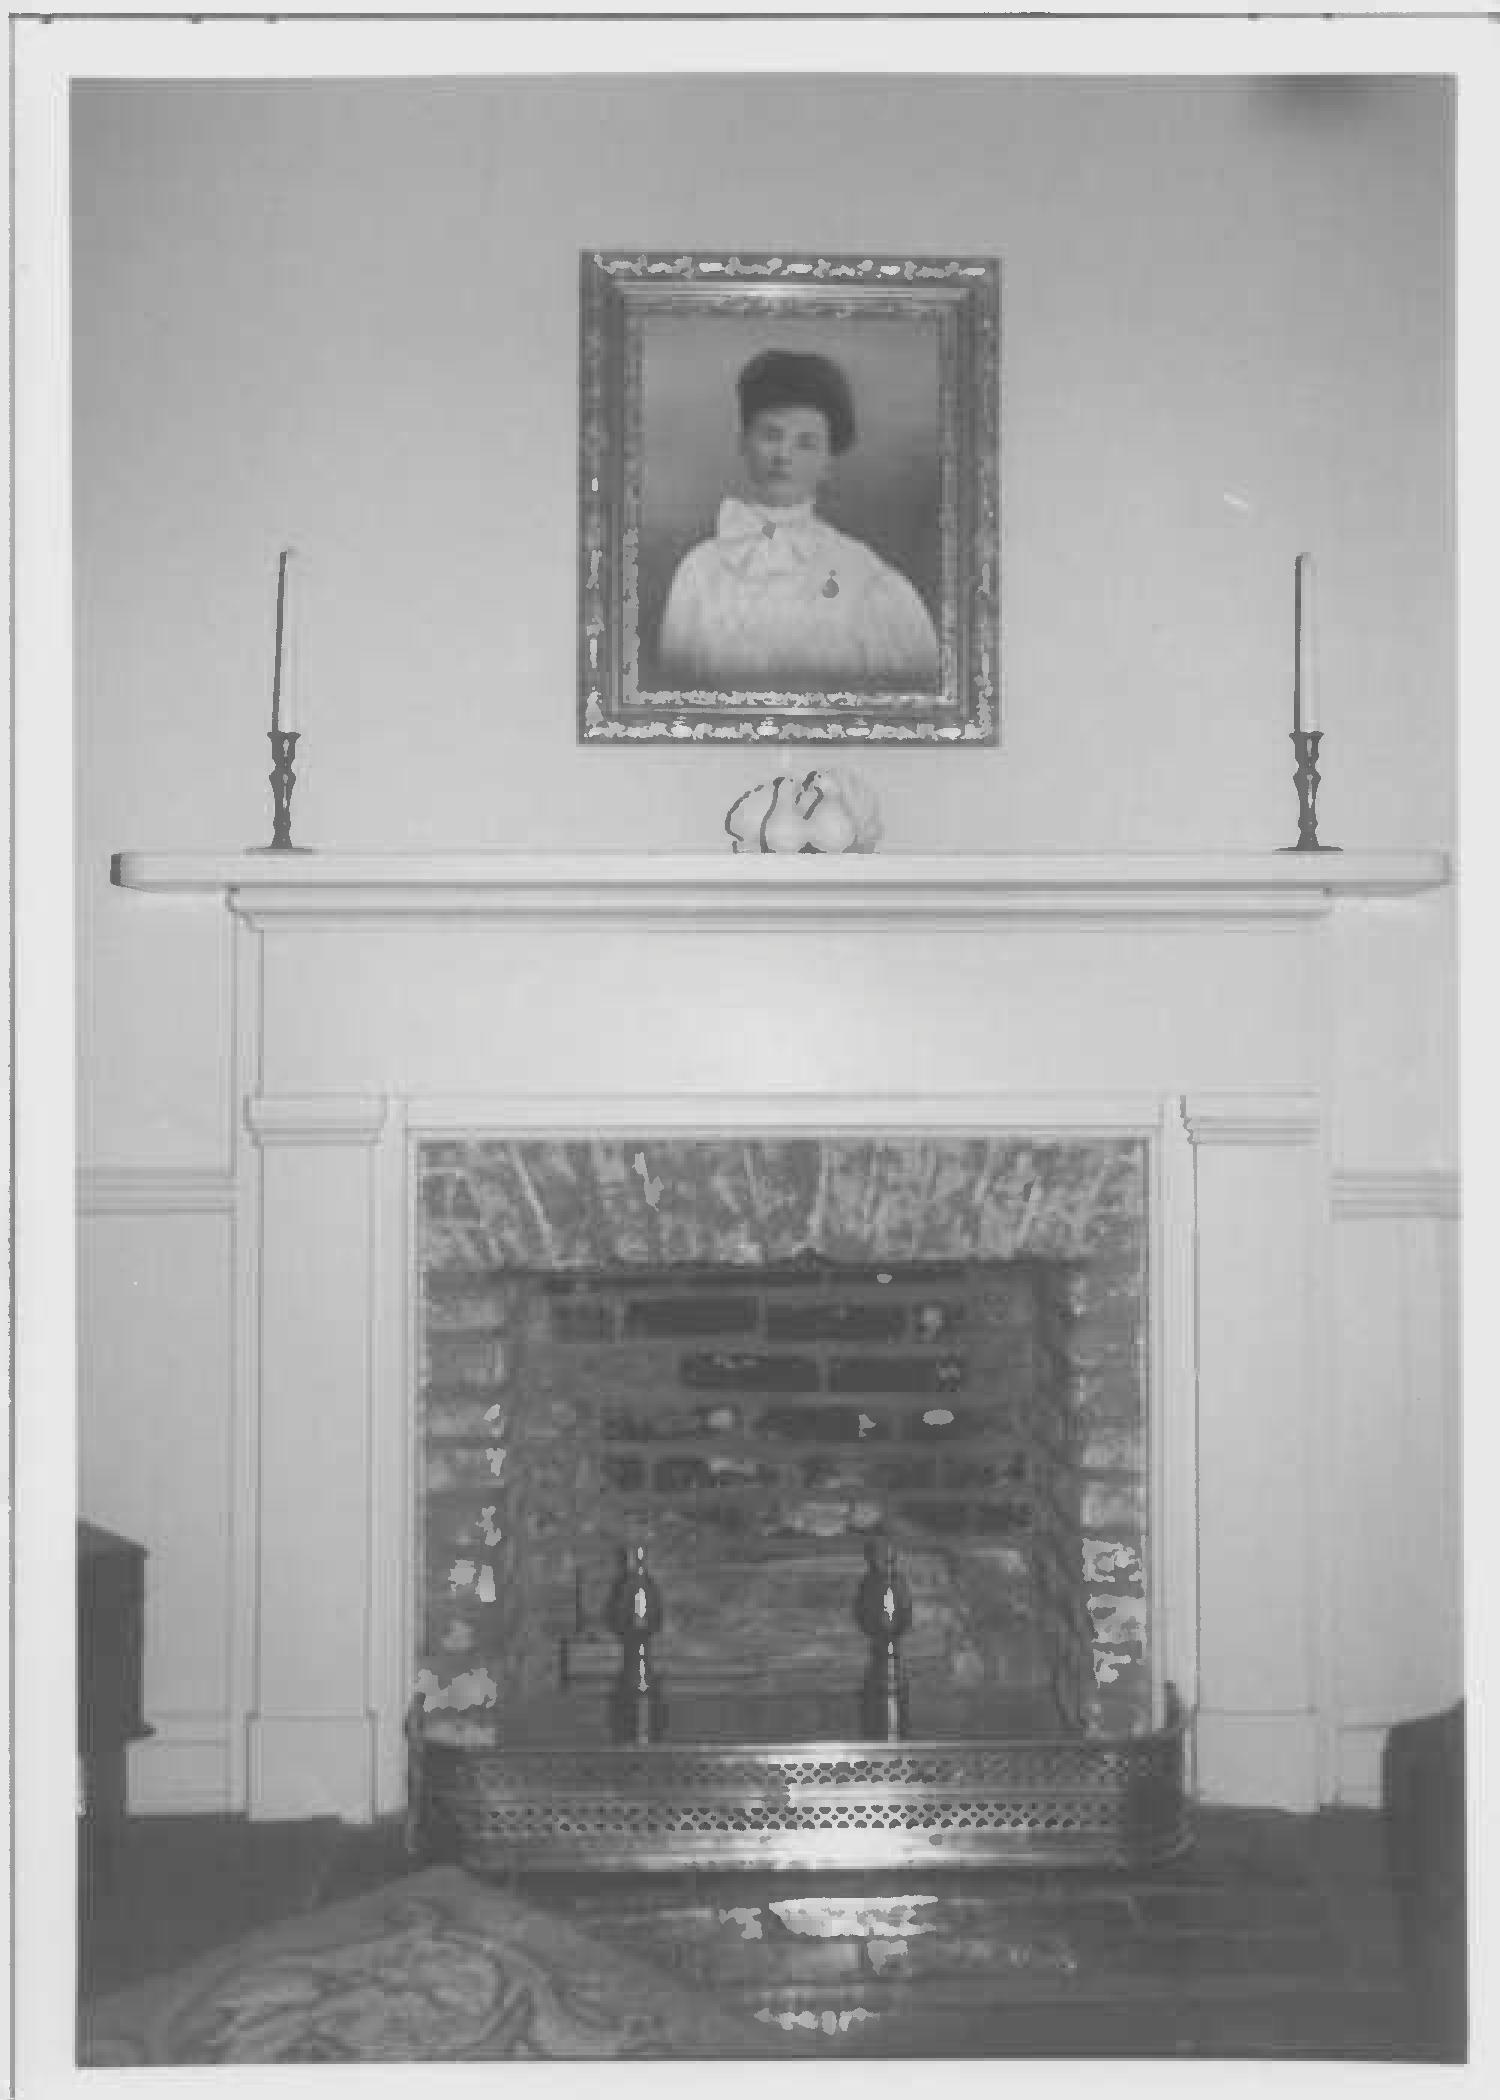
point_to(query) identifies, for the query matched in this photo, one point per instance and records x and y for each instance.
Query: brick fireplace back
(754, 1355)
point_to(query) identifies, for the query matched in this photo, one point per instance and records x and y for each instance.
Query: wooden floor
(1278, 1937)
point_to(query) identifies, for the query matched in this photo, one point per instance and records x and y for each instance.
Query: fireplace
(753, 1356)
(759, 1359)
(408, 1028)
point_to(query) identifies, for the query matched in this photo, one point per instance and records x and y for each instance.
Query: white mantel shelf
(691, 886)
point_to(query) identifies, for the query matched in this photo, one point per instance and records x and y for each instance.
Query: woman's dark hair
(798, 379)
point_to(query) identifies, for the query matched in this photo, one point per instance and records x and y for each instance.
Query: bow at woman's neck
(740, 517)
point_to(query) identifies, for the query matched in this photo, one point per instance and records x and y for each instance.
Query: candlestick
(283, 780)
(1305, 743)
(1305, 699)
(286, 700)
(1306, 735)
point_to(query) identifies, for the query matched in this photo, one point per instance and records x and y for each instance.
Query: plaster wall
(343, 315)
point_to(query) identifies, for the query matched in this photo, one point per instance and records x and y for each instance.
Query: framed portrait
(789, 498)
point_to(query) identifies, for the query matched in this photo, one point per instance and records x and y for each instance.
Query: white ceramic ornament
(823, 812)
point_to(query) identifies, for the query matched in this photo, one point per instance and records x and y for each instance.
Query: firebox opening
(756, 1420)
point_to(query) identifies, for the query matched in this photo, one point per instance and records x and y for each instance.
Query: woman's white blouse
(780, 599)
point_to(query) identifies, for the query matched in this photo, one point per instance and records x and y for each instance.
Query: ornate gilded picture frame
(789, 499)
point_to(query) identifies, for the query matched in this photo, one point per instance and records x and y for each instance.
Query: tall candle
(1305, 690)
(289, 695)
(281, 569)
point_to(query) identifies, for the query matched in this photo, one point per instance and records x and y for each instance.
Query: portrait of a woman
(779, 599)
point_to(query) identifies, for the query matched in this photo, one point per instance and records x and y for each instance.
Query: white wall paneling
(156, 1283)
(185, 1767)
(1394, 1493)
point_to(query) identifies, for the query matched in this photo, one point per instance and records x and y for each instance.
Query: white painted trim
(304, 1763)
(393, 1378)
(315, 1119)
(715, 1115)
(184, 1768)
(145, 1191)
(1418, 1192)
(1359, 1775)
(1321, 1543)
(242, 1633)
(1172, 1419)
(1267, 1760)
(1082, 911)
(751, 888)
(1276, 1116)
(312, 1765)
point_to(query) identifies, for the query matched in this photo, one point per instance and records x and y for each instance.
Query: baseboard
(1257, 1760)
(1357, 1771)
(1243, 1760)
(312, 1765)
(183, 1769)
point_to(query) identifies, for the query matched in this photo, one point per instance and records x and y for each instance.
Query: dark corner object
(1423, 1796)
(111, 1640)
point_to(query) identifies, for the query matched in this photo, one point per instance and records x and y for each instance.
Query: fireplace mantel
(694, 886)
(382, 999)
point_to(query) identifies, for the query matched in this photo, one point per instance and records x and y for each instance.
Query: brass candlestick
(283, 741)
(1305, 743)
(883, 1610)
(634, 1611)
(283, 780)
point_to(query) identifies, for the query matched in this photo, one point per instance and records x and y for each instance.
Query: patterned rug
(438, 1967)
